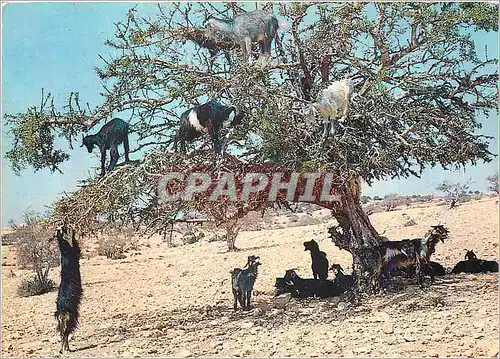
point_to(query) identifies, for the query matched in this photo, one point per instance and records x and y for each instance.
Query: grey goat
(253, 26)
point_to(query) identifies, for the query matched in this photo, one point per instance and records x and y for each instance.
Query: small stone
(258, 312)
(184, 353)
(388, 328)
(342, 306)
(444, 330)
(246, 325)
(281, 301)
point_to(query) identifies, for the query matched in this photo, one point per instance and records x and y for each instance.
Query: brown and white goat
(409, 252)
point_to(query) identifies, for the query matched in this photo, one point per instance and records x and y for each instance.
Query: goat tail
(66, 322)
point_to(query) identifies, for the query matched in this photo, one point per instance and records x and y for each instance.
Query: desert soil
(177, 302)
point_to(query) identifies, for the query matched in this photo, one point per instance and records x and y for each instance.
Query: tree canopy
(420, 84)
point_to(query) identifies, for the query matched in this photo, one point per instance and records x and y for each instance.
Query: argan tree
(420, 84)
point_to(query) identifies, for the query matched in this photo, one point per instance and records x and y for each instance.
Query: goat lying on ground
(312, 287)
(343, 280)
(433, 269)
(207, 118)
(335, 100)
(474, 265)
(282, 286)
(108, 138)
(242, 281)
(253, 26)
(401, 254)
(70, 289)
(319, 260)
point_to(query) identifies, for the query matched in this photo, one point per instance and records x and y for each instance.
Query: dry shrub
(193, 235)
(36, 252)
(392, 201)
(410, 222)
(115, 244)
(372, 208)
(35, 286)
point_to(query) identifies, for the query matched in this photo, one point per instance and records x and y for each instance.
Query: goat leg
(235, 295)
(103, 161)
(248, 296)
(325, 129)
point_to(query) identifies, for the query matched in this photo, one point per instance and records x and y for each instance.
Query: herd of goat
(407, 257)
(212, 116)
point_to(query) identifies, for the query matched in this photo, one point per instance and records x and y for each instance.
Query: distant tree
(493, 183)
(455, 192)
(365, 199)
(477, 192)
(419, 82)
(377, 198)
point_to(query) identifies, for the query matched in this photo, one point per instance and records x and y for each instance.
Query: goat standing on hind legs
(70, 289)
(409, 252)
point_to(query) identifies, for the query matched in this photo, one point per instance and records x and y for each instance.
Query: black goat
(345, 281)
(243, 280)
(470, 255)
(108, 138)
(70, 289)
(433, 269)
(409, 252)
(475, 265)
(319, 260)
(282, 287)
(312, 287)
(206, 118)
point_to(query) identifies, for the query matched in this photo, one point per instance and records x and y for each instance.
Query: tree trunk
(232, 229)
(356, 235)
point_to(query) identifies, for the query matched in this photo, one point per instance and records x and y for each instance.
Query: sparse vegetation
(393, 200)
(455, 192)
(35, 252)
(116, 244)
(493, 183)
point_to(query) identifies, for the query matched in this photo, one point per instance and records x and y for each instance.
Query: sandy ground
(161, 302)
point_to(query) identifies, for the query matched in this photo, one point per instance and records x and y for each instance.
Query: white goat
(335, 100)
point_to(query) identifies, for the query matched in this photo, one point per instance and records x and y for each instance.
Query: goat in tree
(108, 138)
(334, 101)
(208, 118)
(253, 26)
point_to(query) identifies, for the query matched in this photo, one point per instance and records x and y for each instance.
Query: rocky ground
(177, 302)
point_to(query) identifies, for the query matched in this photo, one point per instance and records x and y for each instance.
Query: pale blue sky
(56, 46)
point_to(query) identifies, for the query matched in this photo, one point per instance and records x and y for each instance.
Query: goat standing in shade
(208, 118)
(335, 100)
(319, 260)
(409, 252)
(108, 138)
(253, 26)
(242, 282)
(70, 289)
